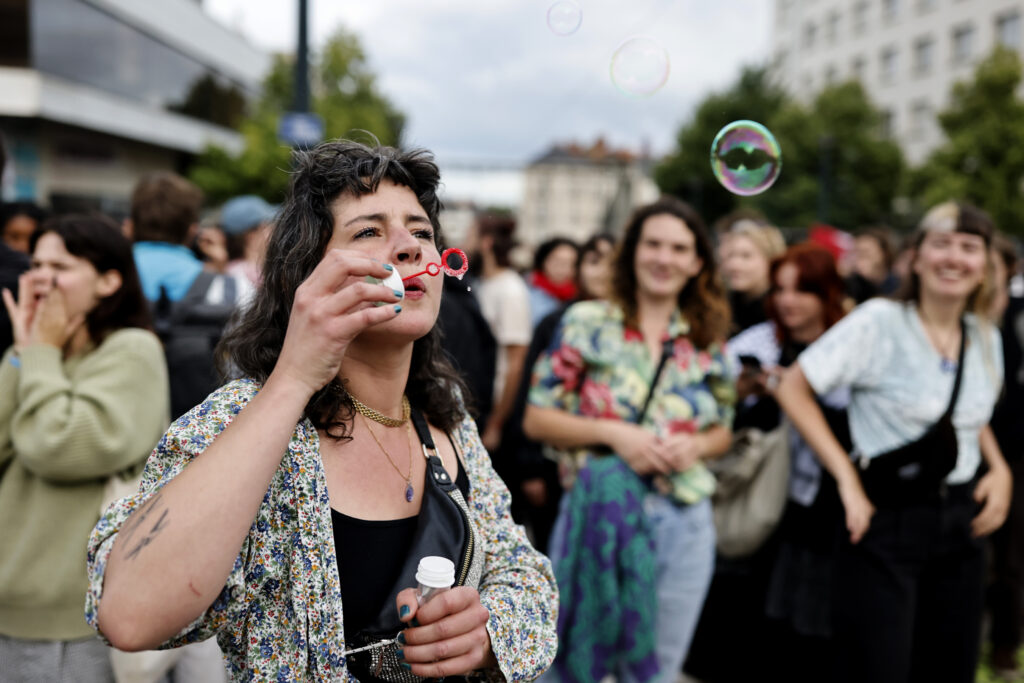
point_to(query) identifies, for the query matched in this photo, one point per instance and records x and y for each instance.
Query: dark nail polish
(403, 611)
(414, 622)
(388, 267)
(400, 638)
(400, 654)
(399, 293)
(405, 665)
(398, 309)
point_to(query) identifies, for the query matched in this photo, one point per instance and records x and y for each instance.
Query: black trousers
(908, 598)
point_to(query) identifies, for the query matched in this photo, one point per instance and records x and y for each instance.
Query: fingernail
(400, 638)
(399, 293)
(400, 654)
(388, 267)
(405, 665)
(398, 309)
(414, 622)
(404, 610)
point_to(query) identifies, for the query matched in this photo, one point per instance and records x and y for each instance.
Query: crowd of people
(233, 437)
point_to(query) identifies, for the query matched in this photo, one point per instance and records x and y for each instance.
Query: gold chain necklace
(378, 417)
(409, 490)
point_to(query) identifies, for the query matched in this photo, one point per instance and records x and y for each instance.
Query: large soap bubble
(640, 66)
(746, 158)
(564, 17)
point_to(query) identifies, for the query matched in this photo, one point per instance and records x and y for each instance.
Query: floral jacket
(279, 617)
(596, 366)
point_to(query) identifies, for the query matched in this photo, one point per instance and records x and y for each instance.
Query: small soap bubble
(640, 66)
(746, 158)
(564, 17)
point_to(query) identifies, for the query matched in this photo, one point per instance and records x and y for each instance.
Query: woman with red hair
(777, 599)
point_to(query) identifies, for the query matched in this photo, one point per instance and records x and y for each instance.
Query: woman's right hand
(331, 308)
(857, 506)
(21, 311)
(641, 449)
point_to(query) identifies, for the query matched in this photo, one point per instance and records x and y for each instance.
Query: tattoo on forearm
(160, 525)
(136, 520)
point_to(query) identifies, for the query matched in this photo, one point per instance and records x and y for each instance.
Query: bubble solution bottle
(434, 575)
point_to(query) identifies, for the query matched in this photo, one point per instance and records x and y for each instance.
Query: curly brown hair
(702, 301)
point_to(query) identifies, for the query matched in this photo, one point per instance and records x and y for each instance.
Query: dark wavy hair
(99, 240)
(545, 248)
(817, 275)
(702, 301)
(304, 227)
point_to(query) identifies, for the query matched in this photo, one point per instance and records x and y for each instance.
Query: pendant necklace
(370, 414)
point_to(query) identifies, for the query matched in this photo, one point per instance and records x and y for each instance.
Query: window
(832, 30)
(860, 17)
(924, 54)
(859, 68)
(920, 118)
(890, 9)
(810, 34)
(963, 43)
(889, 64)
(1008, 30)
(926, 5)
(888, 123)
(831, 75)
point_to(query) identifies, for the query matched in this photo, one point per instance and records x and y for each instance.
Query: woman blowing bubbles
(310, 470)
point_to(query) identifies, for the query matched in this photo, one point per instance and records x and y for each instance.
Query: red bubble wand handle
(436, 268)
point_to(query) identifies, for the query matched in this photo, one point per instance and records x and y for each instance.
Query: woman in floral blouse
(297, 489)
(641, 484)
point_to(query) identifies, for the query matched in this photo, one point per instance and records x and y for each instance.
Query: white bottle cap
(436, 572)
(394, 281)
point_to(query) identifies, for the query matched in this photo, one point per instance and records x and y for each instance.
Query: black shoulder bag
(916, 472)
(443, 529)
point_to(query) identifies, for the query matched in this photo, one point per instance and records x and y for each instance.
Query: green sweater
(65, 427)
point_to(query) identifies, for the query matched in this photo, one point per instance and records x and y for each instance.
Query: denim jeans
(684, 540)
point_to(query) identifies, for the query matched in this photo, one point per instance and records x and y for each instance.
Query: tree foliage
(837, 167)
(982, 160)
(343, 93)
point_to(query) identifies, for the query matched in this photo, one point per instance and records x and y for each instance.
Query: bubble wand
(434, 269)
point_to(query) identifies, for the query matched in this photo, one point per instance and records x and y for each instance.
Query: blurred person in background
(924, 374)
(247, 221)
(638, 387)
(191, 303)
(84, 399)
(553, 280)
(505, 304)
(747, 249)
(12, 264)
(872, 260)
(18, 220)
(776, 601)
(530, 474)
(1006, 587)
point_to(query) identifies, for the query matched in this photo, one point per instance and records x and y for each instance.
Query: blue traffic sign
(300, 129)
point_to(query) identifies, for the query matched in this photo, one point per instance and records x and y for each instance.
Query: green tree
(982, 160)
(344, 94)
(837, 167)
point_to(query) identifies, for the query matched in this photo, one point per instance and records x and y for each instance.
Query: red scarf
(563, 292)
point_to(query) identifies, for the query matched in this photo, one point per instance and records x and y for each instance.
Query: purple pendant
(408, 492)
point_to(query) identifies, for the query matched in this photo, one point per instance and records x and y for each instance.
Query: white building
(573, 191)
(906, 53)
(93, 93)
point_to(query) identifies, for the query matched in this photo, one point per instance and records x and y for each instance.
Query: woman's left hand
(451, 638)
(994, 490)
(51, 324)
(684, 450)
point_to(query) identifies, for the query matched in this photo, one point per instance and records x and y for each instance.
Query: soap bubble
(564, 17)
(746, 158)
(640, 66)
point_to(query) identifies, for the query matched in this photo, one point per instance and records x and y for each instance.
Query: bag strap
(422, 430)
(666, 353)
(959, 371)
